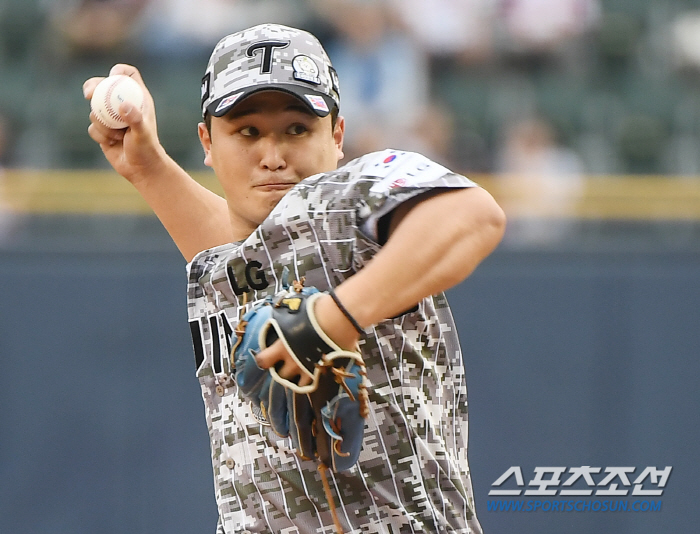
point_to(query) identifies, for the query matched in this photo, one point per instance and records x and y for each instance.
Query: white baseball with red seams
(109, 94)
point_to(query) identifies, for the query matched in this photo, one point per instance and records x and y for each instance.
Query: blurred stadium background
(580, 333)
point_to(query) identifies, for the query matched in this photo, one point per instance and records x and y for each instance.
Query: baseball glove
(324, 419)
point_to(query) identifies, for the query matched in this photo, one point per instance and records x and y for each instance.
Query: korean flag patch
(317, 103)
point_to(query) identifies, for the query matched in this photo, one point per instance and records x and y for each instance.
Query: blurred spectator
(542, 182)
(450, 29)
(530, 149)
(87, 27)
(383, 74)
(545, 29)
(685, 32)
(187, 28)
(433, 135)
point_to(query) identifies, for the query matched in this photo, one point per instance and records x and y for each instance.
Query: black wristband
(349, 317)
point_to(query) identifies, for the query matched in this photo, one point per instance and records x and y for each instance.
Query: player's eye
(250, 131)
(297, 129)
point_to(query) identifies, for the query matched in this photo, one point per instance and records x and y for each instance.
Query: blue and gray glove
(325, 419)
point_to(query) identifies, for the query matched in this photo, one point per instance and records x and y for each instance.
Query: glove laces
(329, 498)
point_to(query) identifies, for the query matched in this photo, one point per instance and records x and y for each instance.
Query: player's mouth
(276, 185)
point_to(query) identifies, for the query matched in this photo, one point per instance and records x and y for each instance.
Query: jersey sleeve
(395, 177)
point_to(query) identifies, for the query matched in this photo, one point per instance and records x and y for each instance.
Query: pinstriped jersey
(412, 475)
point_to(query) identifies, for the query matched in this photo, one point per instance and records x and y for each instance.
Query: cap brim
(318, 103)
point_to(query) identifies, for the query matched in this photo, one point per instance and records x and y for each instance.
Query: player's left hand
(332, 322)
(304, 384)
(277, 356)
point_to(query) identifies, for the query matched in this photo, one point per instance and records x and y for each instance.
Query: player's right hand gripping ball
(110, 93)
(324, 419)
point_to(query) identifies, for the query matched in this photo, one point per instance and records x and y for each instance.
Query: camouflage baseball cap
(269, 56)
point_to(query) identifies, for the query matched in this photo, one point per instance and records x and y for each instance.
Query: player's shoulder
(383, 162)
(204, 262)
(385, 172)
(392, 169)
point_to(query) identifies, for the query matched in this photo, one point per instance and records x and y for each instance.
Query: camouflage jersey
(412, 475)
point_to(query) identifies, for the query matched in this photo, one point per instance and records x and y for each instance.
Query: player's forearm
(435, 246)
(195, 217)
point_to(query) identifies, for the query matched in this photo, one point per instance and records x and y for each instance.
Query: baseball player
(388, 233)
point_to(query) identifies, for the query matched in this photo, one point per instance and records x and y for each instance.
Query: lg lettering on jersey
(254, 278)
(267, 47)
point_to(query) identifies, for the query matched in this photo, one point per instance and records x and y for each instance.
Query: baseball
(111, 92)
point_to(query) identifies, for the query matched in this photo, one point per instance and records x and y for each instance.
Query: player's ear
(205, 139)
(339, 136)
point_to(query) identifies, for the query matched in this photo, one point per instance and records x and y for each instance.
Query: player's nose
(272, 154)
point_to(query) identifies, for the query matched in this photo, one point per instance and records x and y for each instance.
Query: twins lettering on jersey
(243, 277)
